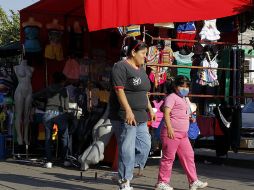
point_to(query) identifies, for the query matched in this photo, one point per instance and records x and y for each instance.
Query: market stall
(194, 44)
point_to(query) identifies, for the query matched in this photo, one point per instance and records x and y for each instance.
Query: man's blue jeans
(134, 144)
(62, 123)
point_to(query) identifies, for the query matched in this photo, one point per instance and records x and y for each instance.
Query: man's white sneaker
(48, 165)
(198, 185)
(163, 186)
(125, 185)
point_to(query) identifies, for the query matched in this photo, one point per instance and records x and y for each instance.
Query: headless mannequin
(54, 25)
(102, 133)
(23, 100)
(31, 22)
(77, 28)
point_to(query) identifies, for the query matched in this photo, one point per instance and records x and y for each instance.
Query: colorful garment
(131, 30)
(209, 76)
(186, 31)
(183, 60)
(54, 52)
(54, 49)
(167, 54)
(153, 55)
(158, 78)
(209, 31)
(159, 114)
(72, 69)
(165, 25)
(32, 43)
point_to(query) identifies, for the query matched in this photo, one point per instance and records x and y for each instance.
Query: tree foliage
(9, 27)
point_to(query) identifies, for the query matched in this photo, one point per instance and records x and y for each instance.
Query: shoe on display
(198, 185)
(163, 186)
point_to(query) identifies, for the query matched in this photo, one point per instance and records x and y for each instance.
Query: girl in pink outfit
(174, 137)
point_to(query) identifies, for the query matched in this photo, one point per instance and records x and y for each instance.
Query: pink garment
(72, 69)
(161, 77)
(159, 114)
(179, 115)
(180, 145)
(206, 125)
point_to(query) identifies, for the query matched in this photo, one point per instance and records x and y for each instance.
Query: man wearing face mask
(174, 137)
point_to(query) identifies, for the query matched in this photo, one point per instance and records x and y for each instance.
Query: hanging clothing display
(76, 43)
(206, 125)
(72, 69)
(183, 60)
(169, 25)
(159, 114)
(54, 50)
(158, 77)
(186, 31)
(167, 54)
(209, 77)
(32, 43)
(153, 55)
(209, 31)
(223, 141)
(131, 30)
(6, 84)
(225, 80)
(93, 94)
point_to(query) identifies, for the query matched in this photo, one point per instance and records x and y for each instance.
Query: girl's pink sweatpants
(180, 145)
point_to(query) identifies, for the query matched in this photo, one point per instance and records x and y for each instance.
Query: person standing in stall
(129, 104)
(56, 109)
(174, 137)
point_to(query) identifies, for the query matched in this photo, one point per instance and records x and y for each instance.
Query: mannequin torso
(31, 32)
(24, 74)
(23, 99)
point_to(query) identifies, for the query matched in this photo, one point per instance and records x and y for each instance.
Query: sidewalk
(16, 176)
(240, 159)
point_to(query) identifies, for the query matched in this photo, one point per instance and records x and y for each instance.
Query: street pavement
(16, 176)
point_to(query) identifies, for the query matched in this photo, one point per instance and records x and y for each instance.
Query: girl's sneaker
(198, 185)
(163, 186)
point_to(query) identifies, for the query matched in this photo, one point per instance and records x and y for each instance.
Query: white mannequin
(102, 133)
(23, 99)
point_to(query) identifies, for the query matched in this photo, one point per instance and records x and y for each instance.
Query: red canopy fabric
(102, 14)
(56, 7)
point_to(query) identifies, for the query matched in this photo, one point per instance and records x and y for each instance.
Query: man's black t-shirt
(136, 84)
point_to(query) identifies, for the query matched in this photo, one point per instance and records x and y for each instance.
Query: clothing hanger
(185, 50)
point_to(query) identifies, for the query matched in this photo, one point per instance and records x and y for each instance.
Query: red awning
(56, 7)
(102, 14)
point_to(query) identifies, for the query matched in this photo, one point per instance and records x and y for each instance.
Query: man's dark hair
(59, 77)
